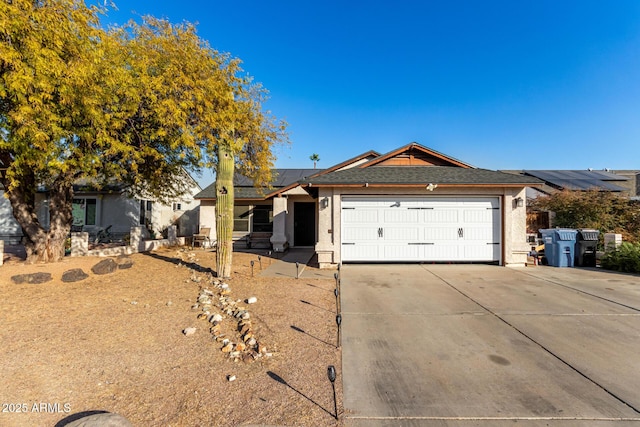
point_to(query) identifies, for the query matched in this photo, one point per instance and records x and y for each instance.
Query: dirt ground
(115, 343)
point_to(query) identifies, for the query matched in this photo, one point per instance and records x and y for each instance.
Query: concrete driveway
(478, 345)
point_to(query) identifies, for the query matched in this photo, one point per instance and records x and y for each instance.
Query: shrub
(602, 210)
(626, 258)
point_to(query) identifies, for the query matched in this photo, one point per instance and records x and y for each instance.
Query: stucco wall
(10, 230)
(118, 211)
(514, 246)
(207, 216)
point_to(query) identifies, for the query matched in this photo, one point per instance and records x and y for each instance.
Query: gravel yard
(116, 343)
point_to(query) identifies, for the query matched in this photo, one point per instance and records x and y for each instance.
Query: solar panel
(579, 179)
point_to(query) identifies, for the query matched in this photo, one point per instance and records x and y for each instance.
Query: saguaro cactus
(224, 210)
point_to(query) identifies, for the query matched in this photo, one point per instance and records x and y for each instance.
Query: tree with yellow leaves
(139, 105)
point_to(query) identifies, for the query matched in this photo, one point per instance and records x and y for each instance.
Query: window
(145, 211)
(142, 210)
(241, 218)
(177, 206)
(262, 219)
(84, 211)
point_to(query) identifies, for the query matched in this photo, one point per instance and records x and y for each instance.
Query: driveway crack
(549, 351)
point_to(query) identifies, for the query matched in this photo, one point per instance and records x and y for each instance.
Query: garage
(421, 229)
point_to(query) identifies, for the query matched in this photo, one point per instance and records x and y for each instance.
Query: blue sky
(497, 84)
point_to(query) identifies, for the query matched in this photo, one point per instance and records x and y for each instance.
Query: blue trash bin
(559, 246)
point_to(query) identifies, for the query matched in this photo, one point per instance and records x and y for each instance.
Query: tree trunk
(42, 245)
(224, 211)
(61, 218)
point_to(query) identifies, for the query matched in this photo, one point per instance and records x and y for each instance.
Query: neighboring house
(10, 231)
(633, 182)
(412, 204)
(96, 209)
(573, 180)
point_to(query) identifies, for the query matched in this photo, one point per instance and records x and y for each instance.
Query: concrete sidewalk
(286, 266)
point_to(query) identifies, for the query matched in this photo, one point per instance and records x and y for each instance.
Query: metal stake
(338, 322)
(297, 270)
(260, 261)
(251, 268)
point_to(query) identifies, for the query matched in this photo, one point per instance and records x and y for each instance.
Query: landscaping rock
(74, 275)
(189, 331)
(125, 263)
(33, 278)
(106, 266)
(252, 300)
(101, 420)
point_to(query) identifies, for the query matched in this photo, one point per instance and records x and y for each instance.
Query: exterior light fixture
(331, 373)
(518, 202)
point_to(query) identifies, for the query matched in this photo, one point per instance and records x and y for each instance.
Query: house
(10, 230)
(111, 206)
(412, 204)
(554, 181)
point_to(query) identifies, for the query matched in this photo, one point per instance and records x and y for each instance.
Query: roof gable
(414, 154)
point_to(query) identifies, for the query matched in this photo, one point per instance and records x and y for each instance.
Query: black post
(338, 322)
(251, 268)
(331, 373)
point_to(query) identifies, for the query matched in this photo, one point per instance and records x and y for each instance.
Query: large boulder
(34, 278)
(106, 266)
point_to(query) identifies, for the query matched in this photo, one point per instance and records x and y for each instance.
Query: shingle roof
(244, 189)
(414, 175)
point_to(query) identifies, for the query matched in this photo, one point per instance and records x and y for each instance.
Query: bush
(626, 258)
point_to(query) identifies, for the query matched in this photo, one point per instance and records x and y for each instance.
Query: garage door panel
(400, 216)
(359, 216)
(401, 252)
(405, 234)
(441, 252)
(353, 234)
(441, 215)
(478, 216)
(448, 233)
(482, 234)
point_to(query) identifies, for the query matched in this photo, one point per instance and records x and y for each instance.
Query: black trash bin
(586, 247)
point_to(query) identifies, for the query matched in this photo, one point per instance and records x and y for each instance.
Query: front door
(304, 223)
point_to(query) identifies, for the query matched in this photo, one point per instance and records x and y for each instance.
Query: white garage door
(421, 229)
